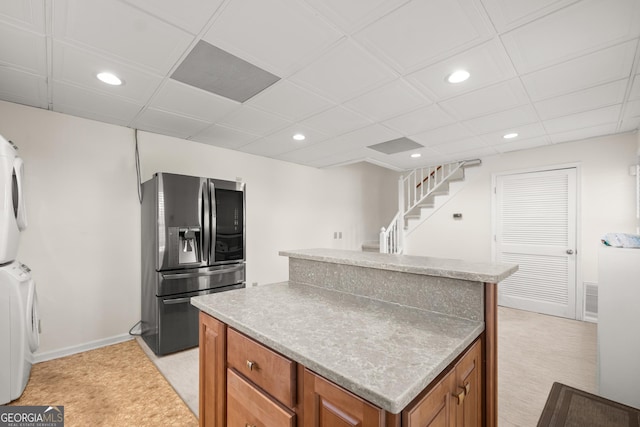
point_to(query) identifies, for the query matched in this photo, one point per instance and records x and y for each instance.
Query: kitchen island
(355, 338)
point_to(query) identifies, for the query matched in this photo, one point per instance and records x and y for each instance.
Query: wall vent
(590, 302)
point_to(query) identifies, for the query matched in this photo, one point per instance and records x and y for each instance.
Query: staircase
(417, 193)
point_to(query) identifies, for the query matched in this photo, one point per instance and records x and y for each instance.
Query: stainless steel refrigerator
(193, 243)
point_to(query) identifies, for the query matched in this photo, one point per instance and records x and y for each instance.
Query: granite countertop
(384, 352)
(489, 272)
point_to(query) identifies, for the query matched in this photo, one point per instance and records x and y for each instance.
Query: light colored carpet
(534, 350)
(111, 386)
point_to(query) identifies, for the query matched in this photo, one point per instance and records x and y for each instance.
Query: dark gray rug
(570, 407)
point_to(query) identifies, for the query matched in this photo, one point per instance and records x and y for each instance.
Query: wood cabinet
(243, 383)
(455, 401)
(327, 405)
(248, 406)
(213, 342)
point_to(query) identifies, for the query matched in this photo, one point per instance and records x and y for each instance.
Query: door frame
(578, 249)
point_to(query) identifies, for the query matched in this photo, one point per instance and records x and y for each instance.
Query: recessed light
(510, 135)
(299, 137)
(109, 78)
(458, 76)
(416, 155)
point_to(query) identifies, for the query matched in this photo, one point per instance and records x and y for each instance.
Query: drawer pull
(252, 365)
(460, 396)
(249, 425)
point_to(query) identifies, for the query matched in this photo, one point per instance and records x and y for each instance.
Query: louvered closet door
(536, 228)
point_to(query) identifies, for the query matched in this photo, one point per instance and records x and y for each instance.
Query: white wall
(83, 238)
(607, 200)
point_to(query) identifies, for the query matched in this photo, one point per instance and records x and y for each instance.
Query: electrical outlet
(335, 235)
(339, 234)
(254, 284)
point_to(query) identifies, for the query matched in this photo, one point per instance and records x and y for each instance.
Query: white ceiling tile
(93, 105)
(405, 161)
(282, 141)
(277, 35)
(176, 97)
(420, 120)
(441, 135)
(487, 64)
(254, 121)
(23, 88)
(597, 68)
(509, 13)
(336, 160)
(345, 72)
(422, 32)
(222, 136)
(575, 30)
(453, 147)
(79, 67)
(632, 109)
(387, 101)
(353, 14)
(523, 144)
(584, 100)
(27, 14)
(138, 38)
(590, 118)
(336, 121)
(476, 153)
(629, 124)
(190, 15)
(289, 101)
(524, 132)
(165, 123)
(503, 120)
(492, 99)
(635, 87)
(23, 49)
(583, 133)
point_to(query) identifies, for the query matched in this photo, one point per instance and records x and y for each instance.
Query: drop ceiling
(349, 74)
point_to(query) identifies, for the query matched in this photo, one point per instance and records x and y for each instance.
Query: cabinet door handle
(252, 365)
(467, 388)
(249, 425)
(460, 396)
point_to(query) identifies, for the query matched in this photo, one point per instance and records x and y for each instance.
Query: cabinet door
(212, 372)
(327, 405)
(435, 409)
(248, 406)
(469, 379)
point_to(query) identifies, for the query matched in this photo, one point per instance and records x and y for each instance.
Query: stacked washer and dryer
(18, 301)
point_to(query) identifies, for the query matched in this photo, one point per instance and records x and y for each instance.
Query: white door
(536, 228)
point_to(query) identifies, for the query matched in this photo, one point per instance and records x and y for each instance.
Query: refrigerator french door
(193, 243)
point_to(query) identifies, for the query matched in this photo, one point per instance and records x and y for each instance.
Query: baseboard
(68, 351)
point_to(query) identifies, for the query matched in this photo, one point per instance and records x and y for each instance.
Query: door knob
(570, 251)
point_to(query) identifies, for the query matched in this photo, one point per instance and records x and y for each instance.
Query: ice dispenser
(185, 245)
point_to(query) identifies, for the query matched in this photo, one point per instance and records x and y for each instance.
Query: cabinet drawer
(270, 371)
(248, 406)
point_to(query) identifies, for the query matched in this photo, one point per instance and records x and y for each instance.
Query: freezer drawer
(176, 322)
(197, 279)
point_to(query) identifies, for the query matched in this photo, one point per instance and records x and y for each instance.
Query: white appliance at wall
(18, 300)
(13, 218)
(618, 370)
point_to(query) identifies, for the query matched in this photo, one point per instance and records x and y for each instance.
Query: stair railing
(422, 182)
(390, 237)
(413, 189)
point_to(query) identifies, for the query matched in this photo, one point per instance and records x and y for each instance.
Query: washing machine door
(33, 320)
(19, 208)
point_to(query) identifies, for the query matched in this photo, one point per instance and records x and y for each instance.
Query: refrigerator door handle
(213, 223)
(205, 209)
(171, 301)
(206, 273)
